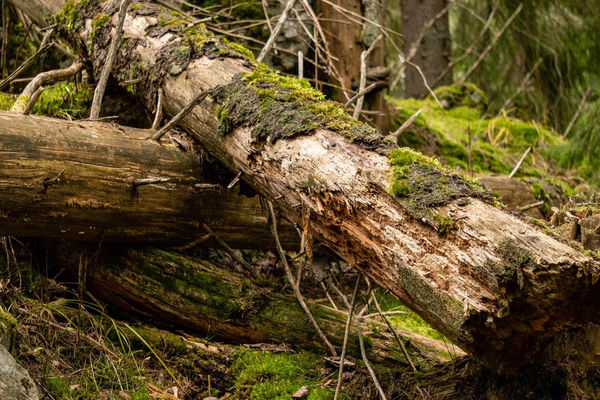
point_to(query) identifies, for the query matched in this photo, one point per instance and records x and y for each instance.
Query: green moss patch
(461, 94)
(496, 143)
(279, 107)
(420, 184)
(260, 375)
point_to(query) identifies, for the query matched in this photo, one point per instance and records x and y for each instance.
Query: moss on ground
(496, 143)
(461, 94)
(261, 375)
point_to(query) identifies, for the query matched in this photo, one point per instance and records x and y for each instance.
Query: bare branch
(110, 60)
(405, 125)
(42, 79)
(491, 45)
(159, 110)
(180, 115)
(290, 276)
(276, 30)
(345, 343)
(579, 108)
(516, 168)
(34, 98)
(44, 46)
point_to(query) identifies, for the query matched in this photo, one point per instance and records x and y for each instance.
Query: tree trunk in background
(346, 40)
(496, 285)
(75, 180)
(176, 290)
(434, 50)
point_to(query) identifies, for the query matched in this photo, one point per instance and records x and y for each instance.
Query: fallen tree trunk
(99, 182)
(187, 292)
(495, 285)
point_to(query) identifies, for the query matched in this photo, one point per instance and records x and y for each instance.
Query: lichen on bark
(420, 183)
(280, 107)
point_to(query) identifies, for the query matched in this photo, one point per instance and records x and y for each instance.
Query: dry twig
(290, 276)
(491, 45)
(516, 168)
(276, 30)
(110, 60)
(345, 343)
(579, 108)
(44, 46)
(42, 79)
(180, 115)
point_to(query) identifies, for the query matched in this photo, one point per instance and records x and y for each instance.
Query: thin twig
(108, 63)
(34, 98)
(491, 45)
(328, 296)
(180, 115)
(159, 110)
(230, 251)
(276, 30)
(532, 205)
(362, 85)
(523, 84)
(363, 76)
(579, 108)
(18, 53)
(472, 47)
(345, 343)
(415, 45)
(405, 125)
(42, 79)
(264, 6)
(300, 65)
(391, 328)
(5, 23)
(516, 168)
(363, 92)
(288, 272)
(44, 46)
(363, 353)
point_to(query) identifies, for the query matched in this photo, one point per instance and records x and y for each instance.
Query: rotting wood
(187, 292)
(76, 180)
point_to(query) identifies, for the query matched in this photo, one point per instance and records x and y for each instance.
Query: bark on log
(496, 286)
(75, 180)
(186, 292)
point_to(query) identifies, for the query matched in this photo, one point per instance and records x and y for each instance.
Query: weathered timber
(187, 292)
(495, 285)
(77, 180)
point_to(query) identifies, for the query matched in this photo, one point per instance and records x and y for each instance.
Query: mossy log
(77, 180)
(494, 284)
(181, 291)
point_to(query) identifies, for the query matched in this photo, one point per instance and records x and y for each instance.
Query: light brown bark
(501, 306)
(61, 179)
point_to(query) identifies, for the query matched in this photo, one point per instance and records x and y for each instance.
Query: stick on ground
(290, 276)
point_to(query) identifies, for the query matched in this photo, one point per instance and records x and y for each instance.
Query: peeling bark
(495, 285)
(75, 180)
